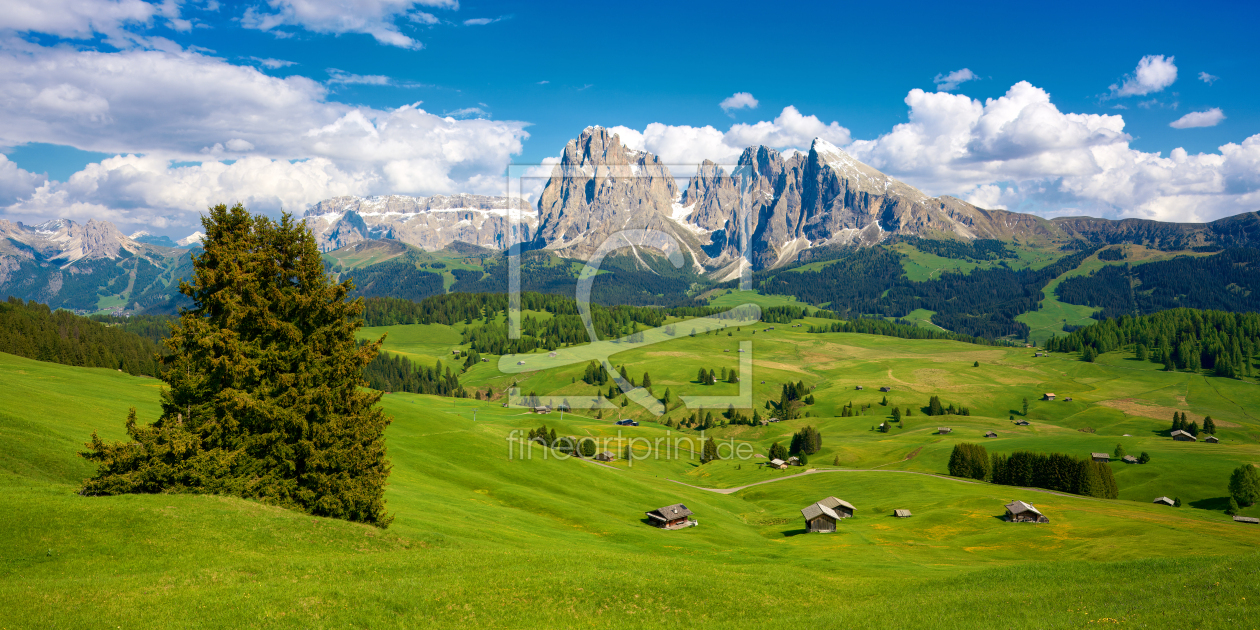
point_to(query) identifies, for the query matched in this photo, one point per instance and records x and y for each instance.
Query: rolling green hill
(487, 539)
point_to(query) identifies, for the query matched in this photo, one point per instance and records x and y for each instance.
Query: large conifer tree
(263, 396)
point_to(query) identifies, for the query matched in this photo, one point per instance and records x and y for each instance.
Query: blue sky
(306, 93)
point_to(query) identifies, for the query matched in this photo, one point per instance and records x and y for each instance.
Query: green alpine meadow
(442, 314)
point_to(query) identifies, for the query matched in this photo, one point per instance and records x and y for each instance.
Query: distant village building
(1129, 459)
(819, 519)
(794, 461)
(1182, 436)
(1165, 501)
(885, 389)
(1039, 354)
(1020, 512)
(1047, 396)
(777, 463)
(1247, 519)
(902, 513)
(990, 434)
(1023, 423)
(1211, 439)
(1100, 457)
(842, 508)
(671, 517)
(859, 387)
(943, 430)
(605, 456)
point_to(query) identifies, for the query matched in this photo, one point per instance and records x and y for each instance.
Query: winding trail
(866, 470)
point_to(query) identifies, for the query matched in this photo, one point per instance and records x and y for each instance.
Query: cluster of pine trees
(1055, 471)
(34, 331)
(934, 408)
(712, 377)
(792, 399)
(807, 441)
(393, 373)
(971, 461)
(1221, 342)
(1180, 423)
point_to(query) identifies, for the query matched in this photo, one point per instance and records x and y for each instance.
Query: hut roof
(777, 462)
(816, 510)
(1048, 394)
(1247, 519)
(1129, 459)
(1179, 433)
(990, 434)
(1211, 438)
(1019, 507)
(1100, 455)
(670, 512)
(834, 503)
(1164, 500)
(901, 513)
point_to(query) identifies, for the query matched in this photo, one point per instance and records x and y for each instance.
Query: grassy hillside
(486, 538)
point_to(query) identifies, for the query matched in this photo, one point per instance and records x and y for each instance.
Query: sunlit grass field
(485, 537)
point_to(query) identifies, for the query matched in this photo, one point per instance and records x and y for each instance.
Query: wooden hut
(1020, 512)
(671, 517)
(777, 463)
(842, 508)
(1129, 459)
(902, 513)
(819, 518)
(1047, 396)
(1022, 423)
(1100, 457)
(943, 430)
(1247, 519)
(1211, 439)
(1183, 436)
(885, 389)
(858, 387)
(1165, 501)
(606, 456)
(990, 434)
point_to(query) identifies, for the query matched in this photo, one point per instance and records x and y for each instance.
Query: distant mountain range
(802, 206)
(820, 198)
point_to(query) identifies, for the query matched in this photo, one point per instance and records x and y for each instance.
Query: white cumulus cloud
(1021, 152)
(1207, 118)
(1208, 78)
(685, 146)
(378, 18)
(1153, 74)
(738, 100)
(155, 109)
(949, 82)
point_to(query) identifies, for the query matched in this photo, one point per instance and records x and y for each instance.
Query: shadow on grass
(1216, 503)
(795, 532)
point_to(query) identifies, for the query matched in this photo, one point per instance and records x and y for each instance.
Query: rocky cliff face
(64, 241)
(431, 223)
(601, 187)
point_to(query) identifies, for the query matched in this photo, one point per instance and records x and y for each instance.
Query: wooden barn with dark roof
(671, 517)
(1020, 512)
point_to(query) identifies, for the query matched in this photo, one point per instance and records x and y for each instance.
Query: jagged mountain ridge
(823, 197)
(431, 223)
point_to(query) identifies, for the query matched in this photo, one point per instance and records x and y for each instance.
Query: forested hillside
(982, 303)
(1225, 281)
(1221, 342)
(35, 331)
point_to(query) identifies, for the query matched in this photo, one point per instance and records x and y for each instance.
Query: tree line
(35, 331)
(1052, 471)
(1227, 281)
(1219, 342)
